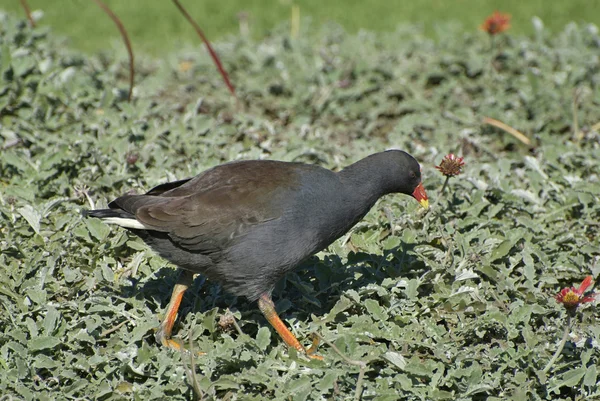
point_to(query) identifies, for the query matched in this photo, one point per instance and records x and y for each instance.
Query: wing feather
(207, 212)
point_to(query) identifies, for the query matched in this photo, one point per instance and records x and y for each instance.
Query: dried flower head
(451, 165)
(131, 158)
(572, 297)
(496, 23)
(227, 321)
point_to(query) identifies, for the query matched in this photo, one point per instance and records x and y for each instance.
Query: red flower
(572, 297)
(451, 165)
(496, 23)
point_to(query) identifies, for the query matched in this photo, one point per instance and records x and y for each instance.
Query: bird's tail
(116, 216)
(107, 213)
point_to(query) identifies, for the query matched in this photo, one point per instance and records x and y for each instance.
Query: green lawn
(157, 27)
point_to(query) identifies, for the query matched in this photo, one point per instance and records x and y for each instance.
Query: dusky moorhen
(245, 224)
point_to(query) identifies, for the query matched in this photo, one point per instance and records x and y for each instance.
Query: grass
(452, 304)
(156, 27)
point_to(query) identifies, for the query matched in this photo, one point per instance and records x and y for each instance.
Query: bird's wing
(205, 213)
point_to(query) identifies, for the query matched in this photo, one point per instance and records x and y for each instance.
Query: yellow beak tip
(424, 203)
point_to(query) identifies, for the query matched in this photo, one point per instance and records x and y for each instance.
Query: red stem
(213, 54)
(125, 37)
(28, 13)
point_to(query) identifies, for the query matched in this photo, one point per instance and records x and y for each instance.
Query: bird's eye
(412, 174)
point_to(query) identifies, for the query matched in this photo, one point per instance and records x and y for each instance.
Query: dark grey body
(245, 224)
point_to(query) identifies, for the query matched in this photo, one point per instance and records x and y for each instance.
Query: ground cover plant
(454, 303)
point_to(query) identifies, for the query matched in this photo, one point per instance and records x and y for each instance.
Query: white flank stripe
(123, 222)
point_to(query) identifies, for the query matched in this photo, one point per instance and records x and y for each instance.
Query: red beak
(420, 195)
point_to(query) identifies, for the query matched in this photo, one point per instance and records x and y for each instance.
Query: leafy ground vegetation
(454, 303)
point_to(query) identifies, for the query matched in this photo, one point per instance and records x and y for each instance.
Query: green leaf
(38, 297)
(412, 289)
(97, 228)
(263, 338)
(570, 379)
(375, 309)
(502, 250)
(51, 320)
(9, 157)
(107, 273)
(341, 305)
(417, 367)
(83, 335)
(141, 329)
(299, 386)
(32, 216)
(327, 381)
(395, 358)
(591, 376)
(225, 383)
(42, 343)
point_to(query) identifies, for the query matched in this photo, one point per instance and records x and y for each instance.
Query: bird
(245, 224)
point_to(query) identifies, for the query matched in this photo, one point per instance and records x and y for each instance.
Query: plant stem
(209, 47)
(361, 364)
(28, 13)
(445, 185)
(561, 344)
(125, 37)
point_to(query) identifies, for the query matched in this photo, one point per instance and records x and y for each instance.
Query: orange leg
(267, 307)
(163, 335)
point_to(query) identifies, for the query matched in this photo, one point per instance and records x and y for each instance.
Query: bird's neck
(365, 182)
